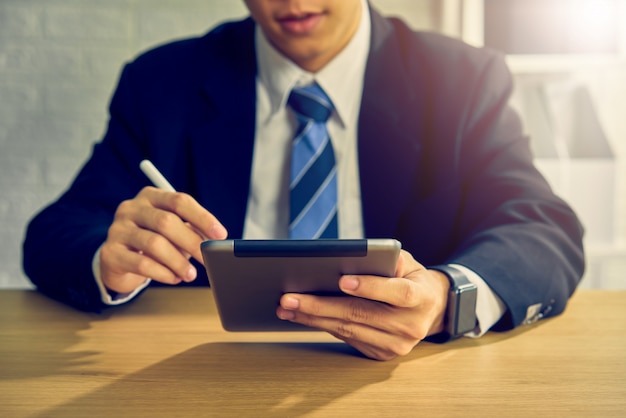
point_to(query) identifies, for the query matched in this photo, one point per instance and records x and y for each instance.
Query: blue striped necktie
(313, 184)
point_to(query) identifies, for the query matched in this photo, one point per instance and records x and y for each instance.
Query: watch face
(461, 312)
(466, 310)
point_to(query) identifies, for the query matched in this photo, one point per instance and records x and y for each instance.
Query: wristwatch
(461, 310)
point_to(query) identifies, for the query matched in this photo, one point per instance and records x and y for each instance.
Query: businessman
(418, 141)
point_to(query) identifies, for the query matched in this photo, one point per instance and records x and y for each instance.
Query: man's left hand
(389, 316)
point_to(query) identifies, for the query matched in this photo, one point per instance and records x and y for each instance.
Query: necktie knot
(310, 102)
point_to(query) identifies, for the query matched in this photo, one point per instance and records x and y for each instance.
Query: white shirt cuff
(489, 307)
(105, 296)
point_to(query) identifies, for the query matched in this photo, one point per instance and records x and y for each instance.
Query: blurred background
(60, 60)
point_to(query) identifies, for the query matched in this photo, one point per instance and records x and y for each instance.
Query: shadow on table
(235, 379)
(42, 349)
(254, 379)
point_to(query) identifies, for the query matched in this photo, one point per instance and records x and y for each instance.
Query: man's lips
(300, 24)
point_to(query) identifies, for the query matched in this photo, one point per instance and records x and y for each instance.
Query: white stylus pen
(155, 176)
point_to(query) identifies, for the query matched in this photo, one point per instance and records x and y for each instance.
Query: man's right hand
(153, 236)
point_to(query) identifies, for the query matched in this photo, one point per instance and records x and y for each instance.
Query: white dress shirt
(342, 80)
(267, 214)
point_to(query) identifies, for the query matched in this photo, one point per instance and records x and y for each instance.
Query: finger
(158, 249)
(144, 266)
(407, 265)
(187, 208)
(169, 226)
(316, 311)
(124, 270)
(399, 292)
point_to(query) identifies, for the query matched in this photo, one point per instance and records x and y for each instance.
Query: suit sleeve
(62, 239)
(524, 241)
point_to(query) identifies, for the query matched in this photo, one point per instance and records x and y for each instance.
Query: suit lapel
(221, 147)
(388, 147)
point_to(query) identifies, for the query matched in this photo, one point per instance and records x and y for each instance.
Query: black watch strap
(461, 310)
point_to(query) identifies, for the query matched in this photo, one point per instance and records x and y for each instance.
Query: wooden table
(166, 355)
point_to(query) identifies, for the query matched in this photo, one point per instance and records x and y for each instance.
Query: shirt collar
(341, 78)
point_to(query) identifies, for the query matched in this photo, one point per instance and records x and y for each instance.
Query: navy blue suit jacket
(444, 166)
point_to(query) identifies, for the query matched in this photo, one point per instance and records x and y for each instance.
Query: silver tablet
(248, 277)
